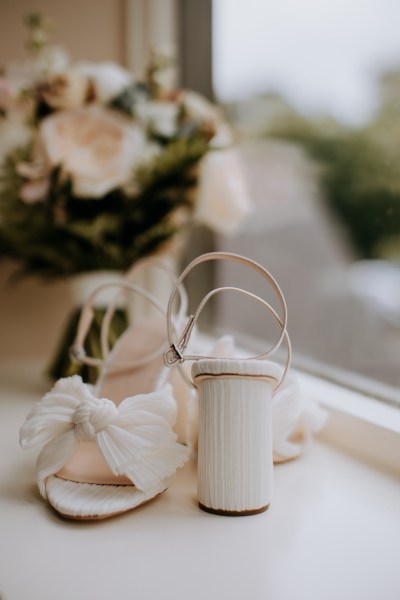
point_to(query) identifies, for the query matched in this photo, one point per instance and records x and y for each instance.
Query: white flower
(51, 60)
(109, 79)
(24, 75)
(222, 198)
(160, 116)
(199, 108)
(163, 69)
(202, 111)
(65, 90)
(97, 148)
(166, 79)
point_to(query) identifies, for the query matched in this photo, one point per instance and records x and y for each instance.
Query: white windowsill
(332, 531)
(355, 404)
(365, 427)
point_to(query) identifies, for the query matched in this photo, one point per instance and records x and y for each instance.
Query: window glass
(314, 90)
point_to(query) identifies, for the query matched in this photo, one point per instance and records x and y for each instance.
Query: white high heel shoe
(109, 448)
(235, 408)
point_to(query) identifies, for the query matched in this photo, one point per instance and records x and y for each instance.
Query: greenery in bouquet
(99, 168)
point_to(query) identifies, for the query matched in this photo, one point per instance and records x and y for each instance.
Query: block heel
(235, 458)
(235, 435)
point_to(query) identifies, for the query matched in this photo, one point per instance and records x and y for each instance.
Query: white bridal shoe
(111, 447)
(235, 407)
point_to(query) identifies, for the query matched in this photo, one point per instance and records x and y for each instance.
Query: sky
(322, 55)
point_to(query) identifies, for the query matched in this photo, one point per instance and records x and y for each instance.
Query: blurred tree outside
(358, 167)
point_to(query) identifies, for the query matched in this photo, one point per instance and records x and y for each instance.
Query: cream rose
(96, 147)
(222, 199)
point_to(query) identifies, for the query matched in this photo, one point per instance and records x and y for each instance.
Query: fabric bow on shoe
(135, 438)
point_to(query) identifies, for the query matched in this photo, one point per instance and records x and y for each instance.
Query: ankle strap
(176, 353)
(77, 350)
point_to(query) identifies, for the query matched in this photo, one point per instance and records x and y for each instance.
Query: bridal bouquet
(99, 169)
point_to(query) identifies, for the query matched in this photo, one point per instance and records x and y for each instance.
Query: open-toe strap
(135, 439)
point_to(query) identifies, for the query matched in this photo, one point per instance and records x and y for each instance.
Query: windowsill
(332, 530)
(354, 404)
(365, 427)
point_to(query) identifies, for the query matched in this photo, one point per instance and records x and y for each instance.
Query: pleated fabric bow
(135, 438)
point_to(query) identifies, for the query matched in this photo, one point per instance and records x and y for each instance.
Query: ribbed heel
(235, 405)
(235, 435)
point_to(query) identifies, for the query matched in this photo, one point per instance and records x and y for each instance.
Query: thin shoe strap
(77, 350)
(139, 267)
(175, 354)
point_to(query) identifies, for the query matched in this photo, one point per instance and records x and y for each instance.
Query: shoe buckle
(77, 353)
(173, 355)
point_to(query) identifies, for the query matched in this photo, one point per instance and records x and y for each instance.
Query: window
(314, 89)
